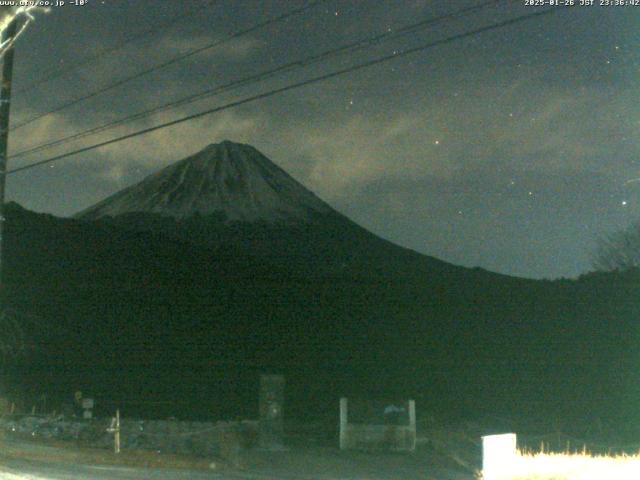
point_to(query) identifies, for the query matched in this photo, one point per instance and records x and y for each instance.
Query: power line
(171, 61)
(55, 73)
(327, 54)
(293, 86)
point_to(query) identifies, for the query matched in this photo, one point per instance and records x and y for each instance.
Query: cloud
(404, 160)
(338, 153)
(350, 154)
(150, 152)
(116, 162)
(169, 81)
(552, 130)
(237, 49)
(48, 128)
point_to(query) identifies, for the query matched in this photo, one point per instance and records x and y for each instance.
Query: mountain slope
(228, 179)
(167, 292)
(231, 196)
(149, 316)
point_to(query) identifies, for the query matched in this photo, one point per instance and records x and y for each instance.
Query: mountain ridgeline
(185, 287)
(228, 179)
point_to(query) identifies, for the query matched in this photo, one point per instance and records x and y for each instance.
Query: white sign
(499, 456)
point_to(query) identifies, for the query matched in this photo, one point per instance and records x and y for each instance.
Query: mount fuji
(220, 266)
(232, 197)
(231, 179)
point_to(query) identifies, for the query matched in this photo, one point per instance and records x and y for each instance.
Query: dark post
(271, 411)
(5, 104)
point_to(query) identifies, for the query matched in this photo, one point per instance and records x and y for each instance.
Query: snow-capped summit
(230, 178)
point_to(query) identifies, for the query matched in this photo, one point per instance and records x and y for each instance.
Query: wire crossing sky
(513, 149)
(178, 58)
(395, 55)
(57, 72)
(302, 63)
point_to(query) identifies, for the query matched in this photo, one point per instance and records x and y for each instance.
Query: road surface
(35, 462)
(19, 469)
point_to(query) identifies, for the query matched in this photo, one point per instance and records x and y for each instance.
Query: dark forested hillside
(192, 311)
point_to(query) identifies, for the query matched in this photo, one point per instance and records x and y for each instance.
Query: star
(624, 203)
(437, 142)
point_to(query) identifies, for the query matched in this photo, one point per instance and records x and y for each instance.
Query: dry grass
(571, 466)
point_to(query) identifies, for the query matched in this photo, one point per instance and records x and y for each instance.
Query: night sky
(512, 150)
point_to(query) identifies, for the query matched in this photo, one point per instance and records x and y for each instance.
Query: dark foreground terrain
(182, 319)
(305, 458)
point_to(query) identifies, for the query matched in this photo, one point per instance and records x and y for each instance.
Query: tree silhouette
(619, 250)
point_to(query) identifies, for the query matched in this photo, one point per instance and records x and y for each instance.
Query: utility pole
(5, 104)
